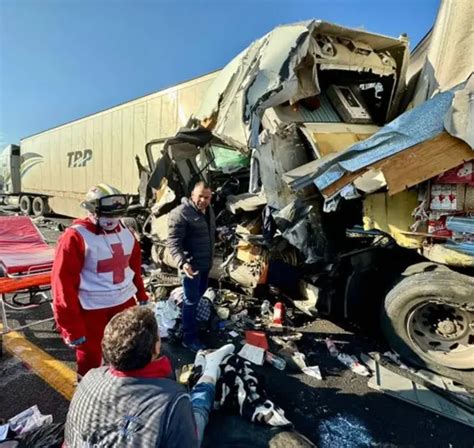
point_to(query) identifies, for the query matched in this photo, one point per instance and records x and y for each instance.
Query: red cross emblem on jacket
(117, 264)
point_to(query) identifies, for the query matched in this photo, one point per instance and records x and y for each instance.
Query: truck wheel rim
(444, 333)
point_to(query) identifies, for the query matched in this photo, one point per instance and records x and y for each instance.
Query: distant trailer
(60, 164)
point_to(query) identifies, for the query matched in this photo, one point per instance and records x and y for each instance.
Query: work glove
(210, 362)
(76, 342)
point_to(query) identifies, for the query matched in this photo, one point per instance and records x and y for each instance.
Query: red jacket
(65, 279)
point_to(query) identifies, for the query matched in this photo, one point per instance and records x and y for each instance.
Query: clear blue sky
(63, 59)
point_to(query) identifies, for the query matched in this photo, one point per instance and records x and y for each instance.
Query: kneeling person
(134, 401)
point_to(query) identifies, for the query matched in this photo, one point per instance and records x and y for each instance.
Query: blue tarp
(415, 126)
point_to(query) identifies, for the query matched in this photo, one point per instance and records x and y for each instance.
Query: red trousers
(89, 354)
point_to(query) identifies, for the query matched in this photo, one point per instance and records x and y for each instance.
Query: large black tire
(25, 205)
(40, 206)
(427, 319)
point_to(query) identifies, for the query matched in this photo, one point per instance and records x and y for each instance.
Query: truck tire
(25, 205)
(428, 319)
(40, 206)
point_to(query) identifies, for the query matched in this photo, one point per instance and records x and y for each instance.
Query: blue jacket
(191, 235)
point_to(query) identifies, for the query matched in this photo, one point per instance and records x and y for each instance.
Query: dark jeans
(193, 288)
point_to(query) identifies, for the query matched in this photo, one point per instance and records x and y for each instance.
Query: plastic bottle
(278, 313)
(275, 361)
(333, 351)
(265, 308)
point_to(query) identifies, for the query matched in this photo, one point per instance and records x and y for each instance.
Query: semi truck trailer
(51, 171)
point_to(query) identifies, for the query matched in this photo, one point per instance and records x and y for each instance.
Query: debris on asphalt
(333, 351)
(239, 389)
(28, 420)
(256, 338)
(350, 361)
(353, 363)
(275, 361)
(4, 431)
(344, 431)
(313, 371)
(395, 358)
(252, 354)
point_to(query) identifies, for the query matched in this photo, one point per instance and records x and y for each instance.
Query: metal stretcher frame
(21, 284)
(26, 262)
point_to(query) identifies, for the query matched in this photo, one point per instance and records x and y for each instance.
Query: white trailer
(60, 164)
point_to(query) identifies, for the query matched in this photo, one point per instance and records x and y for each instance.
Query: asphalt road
(340, 411)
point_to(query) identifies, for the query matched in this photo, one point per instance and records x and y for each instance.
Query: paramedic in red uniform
(96, 274)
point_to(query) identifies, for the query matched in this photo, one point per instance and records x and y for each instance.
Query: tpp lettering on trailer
(79, 158)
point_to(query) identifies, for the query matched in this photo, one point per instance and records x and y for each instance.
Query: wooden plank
(342, 182)
(424, 161)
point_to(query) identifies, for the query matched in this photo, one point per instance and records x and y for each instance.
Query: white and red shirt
(93, 269)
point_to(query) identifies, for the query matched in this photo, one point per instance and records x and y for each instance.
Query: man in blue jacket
(191, 239)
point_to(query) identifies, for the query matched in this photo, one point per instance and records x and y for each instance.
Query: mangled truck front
(288, 133)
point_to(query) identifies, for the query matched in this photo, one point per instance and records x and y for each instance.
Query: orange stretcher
(26, 261)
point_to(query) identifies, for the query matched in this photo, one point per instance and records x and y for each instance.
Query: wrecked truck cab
(299, 93)
(191, 156)
(312, 107)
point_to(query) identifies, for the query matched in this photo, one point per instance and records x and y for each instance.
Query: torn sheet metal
(418, 394)
(448, 60)
(410, 128)
(283, 67)
(247, 202)
(459, 121)
(281, 153)
(327, 140)
(295, 222)
(392, 215)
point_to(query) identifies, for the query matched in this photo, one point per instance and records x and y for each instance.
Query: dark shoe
(194, 346)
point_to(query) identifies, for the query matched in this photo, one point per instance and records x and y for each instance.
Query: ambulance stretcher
(25, 269)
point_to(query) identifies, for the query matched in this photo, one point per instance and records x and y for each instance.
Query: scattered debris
(4, 431)
(257, 338)
(353, 363)
(313, 371)
(350, 361)
(252, 353)
(239, 389)
(344, 431)
(166, 313)
(28, 420)
(275, 361)
(395, 357)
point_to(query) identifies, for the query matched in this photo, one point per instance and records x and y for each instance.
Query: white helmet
(105, 200)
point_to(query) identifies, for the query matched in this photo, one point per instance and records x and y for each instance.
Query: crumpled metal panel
(459, 121)
(448, 59)
(274, 70)
(412, 127)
